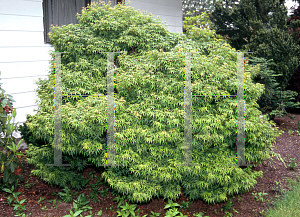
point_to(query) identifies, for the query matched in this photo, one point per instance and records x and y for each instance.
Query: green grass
(288, 205)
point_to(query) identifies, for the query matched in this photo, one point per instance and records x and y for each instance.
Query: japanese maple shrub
(149, 109)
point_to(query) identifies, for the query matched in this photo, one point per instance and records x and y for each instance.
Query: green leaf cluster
(261, 27)
(149, 110)
(9, 155)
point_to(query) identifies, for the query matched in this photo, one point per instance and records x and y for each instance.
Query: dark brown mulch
(288, 146)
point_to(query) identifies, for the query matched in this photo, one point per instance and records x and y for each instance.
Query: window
(61, 12)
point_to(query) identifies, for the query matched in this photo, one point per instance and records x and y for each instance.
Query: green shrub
(274, 100)
(279, 48)
(10, 162)
(199, 21)
(28, 137)
(149, 109)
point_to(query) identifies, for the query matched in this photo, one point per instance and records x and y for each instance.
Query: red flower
(7, 109)
(17, 171)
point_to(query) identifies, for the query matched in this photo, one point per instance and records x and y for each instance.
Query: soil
(288, 146)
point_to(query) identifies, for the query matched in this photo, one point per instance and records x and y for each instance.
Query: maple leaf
(85, 146)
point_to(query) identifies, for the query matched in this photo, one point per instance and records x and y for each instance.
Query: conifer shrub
(277, 73)
(293, 22)
(149, 109)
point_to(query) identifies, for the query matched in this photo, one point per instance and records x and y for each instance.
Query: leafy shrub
(28, 137)
(200, 21)
(149, 109)
(274, 101)
(10, 163)
(281, 49)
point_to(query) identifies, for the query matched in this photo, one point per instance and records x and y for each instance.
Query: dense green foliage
(261, 27)
(9, 176)
(294, 27)
(149, 109)
(276, 98)
(273, 97)
(192, 8)
(247, 17)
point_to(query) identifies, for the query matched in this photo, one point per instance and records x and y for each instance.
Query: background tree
(276, 43)
(294, 30)
(196, 7)
(242, 19)
(293, 22)
(261, 27)
(260, 21)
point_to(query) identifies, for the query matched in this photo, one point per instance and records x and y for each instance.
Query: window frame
(47, 6)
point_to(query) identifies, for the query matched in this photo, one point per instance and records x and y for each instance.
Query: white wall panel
(21, 25)
(168, 10)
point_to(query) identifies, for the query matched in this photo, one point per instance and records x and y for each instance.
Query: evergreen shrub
(262, 27)
(149, 109)
(294, 30)
(273, 101)
(273, 45)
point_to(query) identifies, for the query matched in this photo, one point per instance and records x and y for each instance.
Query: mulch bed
(288, 146)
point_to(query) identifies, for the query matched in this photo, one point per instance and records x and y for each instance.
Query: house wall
(169, 11)
(23, 52)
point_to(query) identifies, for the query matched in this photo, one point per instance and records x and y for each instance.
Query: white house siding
(169, 11)
(21, 40)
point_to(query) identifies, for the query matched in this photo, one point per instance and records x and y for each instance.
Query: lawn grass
(288, 205)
